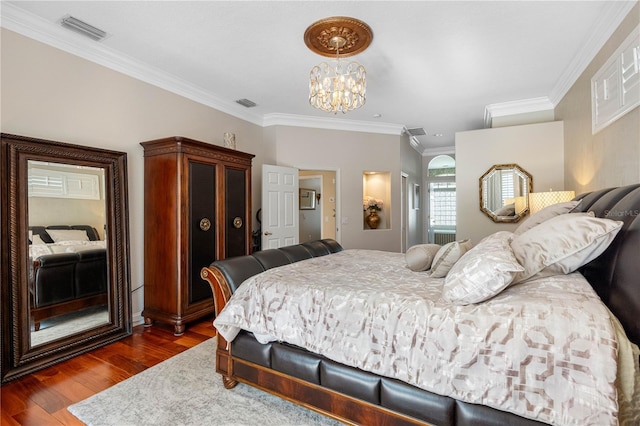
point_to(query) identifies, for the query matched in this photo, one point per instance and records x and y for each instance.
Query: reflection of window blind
(443, 204)
(507, 185)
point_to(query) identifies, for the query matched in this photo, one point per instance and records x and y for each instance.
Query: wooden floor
(42, 398)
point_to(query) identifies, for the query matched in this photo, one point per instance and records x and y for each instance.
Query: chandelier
(338, 85)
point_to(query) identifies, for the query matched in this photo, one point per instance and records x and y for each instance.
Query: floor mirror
(64, 252)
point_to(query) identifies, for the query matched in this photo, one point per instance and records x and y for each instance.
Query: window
(442, 197)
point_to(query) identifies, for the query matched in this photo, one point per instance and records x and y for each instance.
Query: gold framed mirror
(65, 252)
(504, 193)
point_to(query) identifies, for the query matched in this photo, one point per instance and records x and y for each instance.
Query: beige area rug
(65, 325)
(186, 390)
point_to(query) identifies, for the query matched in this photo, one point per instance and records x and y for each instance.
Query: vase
(373, 220)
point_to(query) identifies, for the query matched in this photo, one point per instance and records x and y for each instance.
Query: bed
(536, 326)
(68, 270)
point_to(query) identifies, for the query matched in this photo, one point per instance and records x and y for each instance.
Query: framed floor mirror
(64, 252)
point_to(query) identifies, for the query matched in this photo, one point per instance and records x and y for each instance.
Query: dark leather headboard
(615, 275)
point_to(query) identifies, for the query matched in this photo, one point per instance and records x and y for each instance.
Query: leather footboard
(404, 403)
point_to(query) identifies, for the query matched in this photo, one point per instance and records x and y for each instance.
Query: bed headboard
(615, 275)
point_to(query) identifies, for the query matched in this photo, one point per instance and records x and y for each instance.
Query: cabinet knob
(205, 224)
(237, 222)
(267, 233)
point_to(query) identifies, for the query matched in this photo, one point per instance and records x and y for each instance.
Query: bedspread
(544, 349)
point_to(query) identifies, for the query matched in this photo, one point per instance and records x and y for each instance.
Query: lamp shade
(540, 200)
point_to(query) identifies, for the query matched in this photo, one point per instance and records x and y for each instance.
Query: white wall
(537, 148)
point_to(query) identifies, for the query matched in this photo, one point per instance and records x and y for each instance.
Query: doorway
(319, 222)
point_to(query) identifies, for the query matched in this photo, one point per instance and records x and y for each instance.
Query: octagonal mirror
(504, 193)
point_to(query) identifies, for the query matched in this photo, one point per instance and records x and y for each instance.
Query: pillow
(419, 257)
(36, 240)
(546, 214)
(58, 235)
(447, 256)
(562, 244)
(508, 210)
(482, 272)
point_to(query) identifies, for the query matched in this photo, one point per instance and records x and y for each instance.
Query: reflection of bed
(520, 364)
(68, 274)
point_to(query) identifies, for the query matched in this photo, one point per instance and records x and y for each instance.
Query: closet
(197, 208)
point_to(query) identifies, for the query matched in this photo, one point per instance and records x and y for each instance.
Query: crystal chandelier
(338, 85)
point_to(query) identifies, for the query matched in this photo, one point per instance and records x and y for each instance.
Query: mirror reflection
(504, 192)
(68, 273)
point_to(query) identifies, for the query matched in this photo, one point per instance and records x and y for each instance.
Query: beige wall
(50, 94)
(350, 154)
(612, 156)
(537, 148)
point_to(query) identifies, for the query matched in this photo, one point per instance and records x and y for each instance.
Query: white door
(279, 206)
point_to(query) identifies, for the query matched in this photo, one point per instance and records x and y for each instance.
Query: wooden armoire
(197, 209)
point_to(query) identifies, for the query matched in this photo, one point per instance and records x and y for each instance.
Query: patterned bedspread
(544, 349)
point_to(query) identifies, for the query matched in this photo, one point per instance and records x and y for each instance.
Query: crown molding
(522, 106)
(278, 119)
(602, 31)
(34, 27)
(445, 150)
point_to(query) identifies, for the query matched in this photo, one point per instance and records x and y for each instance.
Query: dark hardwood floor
(42, 398)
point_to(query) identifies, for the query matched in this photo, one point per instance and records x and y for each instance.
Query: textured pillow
(482, 272)
(419, 257)
(562, 244)
(58, 235)
(447, 256)
(546, 214)
(508, 210)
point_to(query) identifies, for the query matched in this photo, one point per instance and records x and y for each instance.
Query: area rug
(64, 325)
(186, 390)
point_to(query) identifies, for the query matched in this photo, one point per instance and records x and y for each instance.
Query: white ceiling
(432, 64)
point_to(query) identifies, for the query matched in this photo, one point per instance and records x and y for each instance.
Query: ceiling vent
(246, 103)
(83, 28)
(416, 131)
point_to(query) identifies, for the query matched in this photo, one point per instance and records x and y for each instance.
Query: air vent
(416, 131)
(246, 103)
(83, 28)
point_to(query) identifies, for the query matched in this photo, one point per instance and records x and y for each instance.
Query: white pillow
(562, 244)
(482, 272)
(447, 256)
(546, 214)
(419, 257)
(58, 235)
(36, 240)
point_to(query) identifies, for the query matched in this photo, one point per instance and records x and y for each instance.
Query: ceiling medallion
(338, 85)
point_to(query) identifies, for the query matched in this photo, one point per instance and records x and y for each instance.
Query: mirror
(307, 199)
(504, 193)
(65, 263)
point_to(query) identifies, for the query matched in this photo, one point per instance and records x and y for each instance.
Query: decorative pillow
(447, 256)
(36, 240)
(419, 257)
(546, 214)
(58, 235)
(562, 244)
(508, 210)
(482, 272)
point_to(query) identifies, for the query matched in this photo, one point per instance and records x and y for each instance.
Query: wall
(50, 94)
(350, 154)
(537, 148)
(612, 156)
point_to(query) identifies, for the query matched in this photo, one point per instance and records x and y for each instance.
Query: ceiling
(435, 65)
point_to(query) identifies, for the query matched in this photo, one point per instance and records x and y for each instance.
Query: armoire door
(235, 211)
(202, 229)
